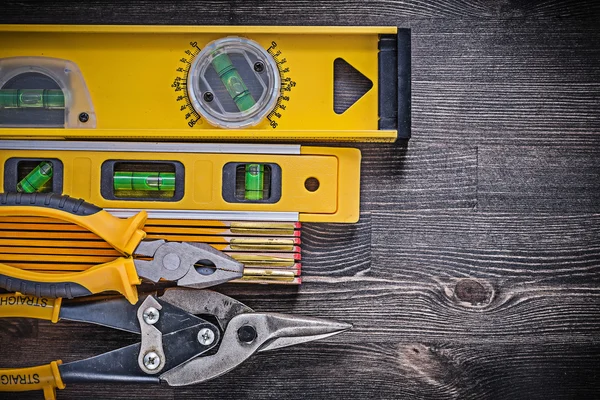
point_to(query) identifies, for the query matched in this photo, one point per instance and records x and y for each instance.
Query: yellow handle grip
(118, 275)
(123, 234)
(23, 306)
(43, 377)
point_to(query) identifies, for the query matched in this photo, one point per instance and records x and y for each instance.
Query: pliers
(178, 345)
(194, 265)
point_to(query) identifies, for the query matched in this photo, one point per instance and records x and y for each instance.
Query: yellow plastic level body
(337, 171)
(131, 72)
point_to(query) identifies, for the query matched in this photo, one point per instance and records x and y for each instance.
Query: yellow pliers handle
(43, 377)
(119, 275)
(124, 235)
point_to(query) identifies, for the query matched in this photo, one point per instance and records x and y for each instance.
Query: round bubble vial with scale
(234, 83)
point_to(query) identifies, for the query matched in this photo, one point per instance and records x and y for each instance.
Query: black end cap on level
(394, 82)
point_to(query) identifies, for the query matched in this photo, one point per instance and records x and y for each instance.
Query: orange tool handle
(123, 234)
(43, 377)
(118, 275)
(24, 306)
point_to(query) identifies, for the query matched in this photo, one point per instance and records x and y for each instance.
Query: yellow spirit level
(212, 82)
(191, 180)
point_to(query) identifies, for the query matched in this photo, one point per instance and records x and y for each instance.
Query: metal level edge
(201, 134)
(277, 216)
(150, 147)
(340, 30)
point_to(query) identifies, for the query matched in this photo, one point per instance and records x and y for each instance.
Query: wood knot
(472, 292)
(435, 366)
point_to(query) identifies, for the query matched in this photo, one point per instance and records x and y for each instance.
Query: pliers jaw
(246, 333)
(195, 265)
(205, 302)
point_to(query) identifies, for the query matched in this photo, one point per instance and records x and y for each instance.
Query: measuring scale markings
(192, 97)
(180, 85)
(286, 85)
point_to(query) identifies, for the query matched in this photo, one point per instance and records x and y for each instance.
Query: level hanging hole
(205, 267)
(311, 184)
(349, 85)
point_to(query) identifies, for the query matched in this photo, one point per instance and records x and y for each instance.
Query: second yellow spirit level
(206, 82)
(191, 180)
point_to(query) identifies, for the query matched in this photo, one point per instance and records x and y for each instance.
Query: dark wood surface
(474, 271)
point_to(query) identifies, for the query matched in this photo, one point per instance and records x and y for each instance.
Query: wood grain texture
(256, 12)
(536, 82)
(346, 247)
(539, 178)
(420, 176)
(474, 271)
(530, 250)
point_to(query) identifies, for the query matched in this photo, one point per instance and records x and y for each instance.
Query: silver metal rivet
(151, 360)
(206, 336)
(171, 261)
(151, 315)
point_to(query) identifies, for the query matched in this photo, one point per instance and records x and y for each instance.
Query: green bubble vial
(37, 178)
(32, 98)
(254, 185)
(233, 82)
(148, 181)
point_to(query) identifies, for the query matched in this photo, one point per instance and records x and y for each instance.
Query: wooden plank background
(474, 271)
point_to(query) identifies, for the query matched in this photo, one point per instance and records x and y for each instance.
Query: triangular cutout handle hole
(349, 85)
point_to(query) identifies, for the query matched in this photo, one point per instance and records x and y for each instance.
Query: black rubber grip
(49, 200)
(56, 289)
